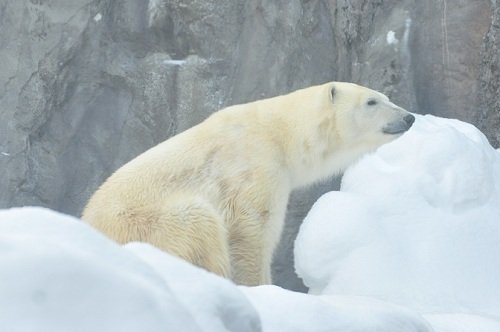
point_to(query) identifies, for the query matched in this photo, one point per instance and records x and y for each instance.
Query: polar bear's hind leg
(189, 229)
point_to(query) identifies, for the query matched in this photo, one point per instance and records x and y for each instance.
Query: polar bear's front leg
(250, 262)
(254, 227)
(251, 247)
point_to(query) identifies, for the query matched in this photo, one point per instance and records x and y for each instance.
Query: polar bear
(216, 194)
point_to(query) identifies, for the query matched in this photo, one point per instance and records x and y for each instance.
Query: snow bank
(215, 303)
(58, 274)
(285, 311)
(416, 224)
(462, 323)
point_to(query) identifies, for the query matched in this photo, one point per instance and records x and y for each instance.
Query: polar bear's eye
(372, 102)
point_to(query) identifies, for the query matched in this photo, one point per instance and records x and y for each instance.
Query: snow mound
(462, 323)
(207, 295)
(416, 224)
(286, 311)
(58, 274)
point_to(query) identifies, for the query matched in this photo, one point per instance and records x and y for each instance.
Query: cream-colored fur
(216, 194)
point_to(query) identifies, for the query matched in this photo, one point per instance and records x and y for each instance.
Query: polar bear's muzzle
(400, 126)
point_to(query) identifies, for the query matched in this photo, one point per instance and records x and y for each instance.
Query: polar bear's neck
(312, 148)
(311, 157)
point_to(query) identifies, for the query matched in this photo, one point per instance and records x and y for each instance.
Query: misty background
(86, 86)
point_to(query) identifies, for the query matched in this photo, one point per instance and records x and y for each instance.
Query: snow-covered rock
(215, 303)
(59, 274)
(416, 224)
(462, 323)
(285, 311)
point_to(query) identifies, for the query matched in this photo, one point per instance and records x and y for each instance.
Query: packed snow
(215, 303)
(285, 311)
(174, 62)
(410, 243)
(58, 274)
(391, 38)
(415, 224)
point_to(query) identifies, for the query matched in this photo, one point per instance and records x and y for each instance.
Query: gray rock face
(87, 85)
(487, 117)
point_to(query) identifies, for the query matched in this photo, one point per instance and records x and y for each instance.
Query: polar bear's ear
(332, 93)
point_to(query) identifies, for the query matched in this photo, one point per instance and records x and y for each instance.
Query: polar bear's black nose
(409, 119)
(399, 126)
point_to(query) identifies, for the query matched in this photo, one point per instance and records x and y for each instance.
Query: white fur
(216, 194)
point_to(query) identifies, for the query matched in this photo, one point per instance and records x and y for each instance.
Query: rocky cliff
(87, 85)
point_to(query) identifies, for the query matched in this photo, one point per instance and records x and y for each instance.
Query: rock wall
(87, 85)
(487, 111)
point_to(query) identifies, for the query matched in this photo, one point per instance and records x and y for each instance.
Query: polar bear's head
(364, 116)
